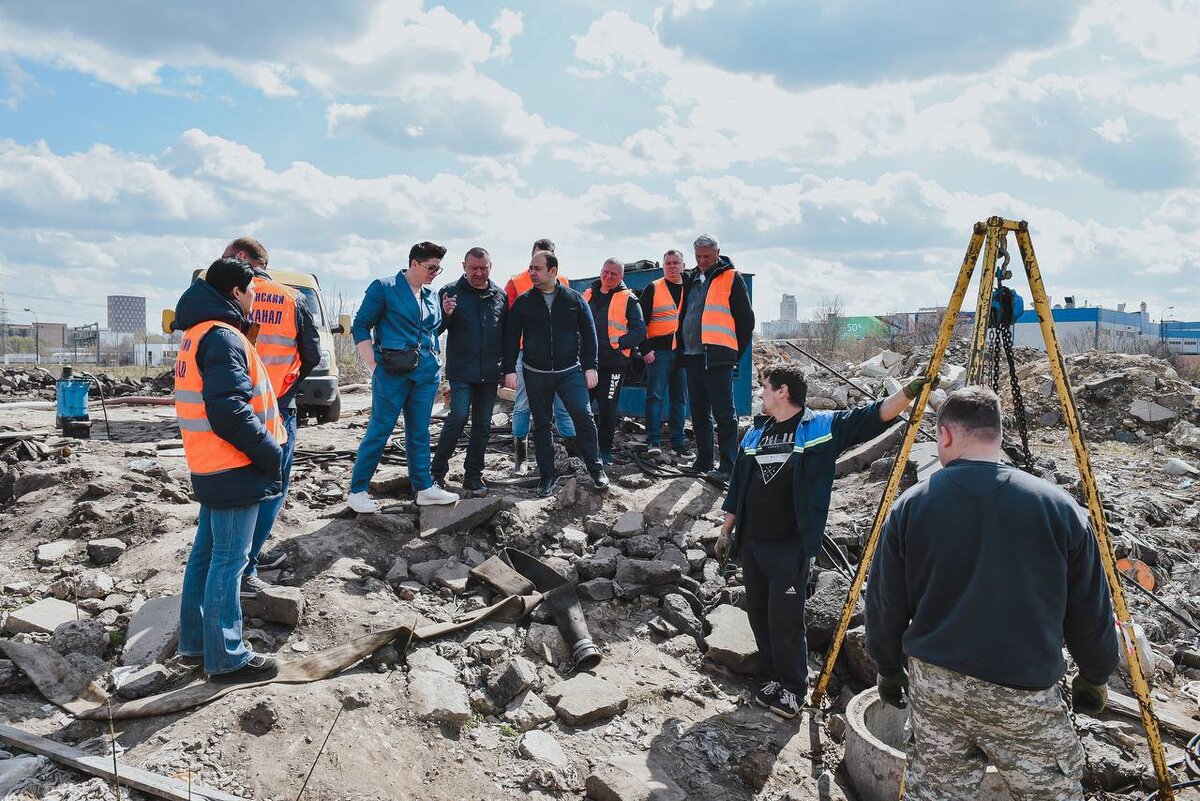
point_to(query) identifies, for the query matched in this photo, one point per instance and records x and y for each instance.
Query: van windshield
(308, 297)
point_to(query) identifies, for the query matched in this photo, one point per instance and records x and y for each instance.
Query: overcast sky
(835, 148)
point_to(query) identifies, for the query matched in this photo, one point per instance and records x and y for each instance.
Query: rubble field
(95, 533)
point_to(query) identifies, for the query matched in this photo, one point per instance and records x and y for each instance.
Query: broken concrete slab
(105, 551)
(276, 604)
(540, 746)
(141, 683)
(629, 524)
(462, 516)
(677, 611)
(923, 456)
(860, 457)
(597, 589)
(1150, 412)
(511, 679)
(153, 632)
(585, 698)
(391, 482)
(632, 777)
(636, 577)
(94, 584)
(51, 552)
(42, 617)
(453, 575)
(1185, 435)
(528, 711)
(731, 642)
(434, 690)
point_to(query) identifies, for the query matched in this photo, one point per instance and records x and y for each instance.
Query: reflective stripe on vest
(275, 313)
(717, 326)
(618, 318)
(664, 312)
(206, 452)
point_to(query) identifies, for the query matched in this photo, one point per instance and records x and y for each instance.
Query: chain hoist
(1006, 308)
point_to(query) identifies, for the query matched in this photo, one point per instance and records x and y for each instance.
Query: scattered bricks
(276, 604)
(42, 617)
(585, 698)
(51, 552)
(731, 642)
(105, 551)
(511, 679)
(153, 632)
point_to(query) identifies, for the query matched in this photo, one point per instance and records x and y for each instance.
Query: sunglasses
(432, 269)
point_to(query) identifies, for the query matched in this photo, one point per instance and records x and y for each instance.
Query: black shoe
(683, 451)
(718, 477)
(600, 480)
(696, 467)
(475, 485)
(787, 704)
(188, 660)
(767, 694)
(259, 668)
(654, 451)
(545, 487)
(252, 586)
(276, 557)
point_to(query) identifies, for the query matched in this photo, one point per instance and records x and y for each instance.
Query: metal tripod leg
(910, 434)
(983, 304)
(1095, 511)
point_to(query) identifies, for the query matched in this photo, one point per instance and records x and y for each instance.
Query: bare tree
(828, 320)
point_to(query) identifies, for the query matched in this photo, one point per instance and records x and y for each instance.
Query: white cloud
(1116, 130)
(508, 25)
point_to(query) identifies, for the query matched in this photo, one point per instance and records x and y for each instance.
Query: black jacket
(634, 322)
(820, 437)
(308, 342)
(739, 306)
(647, 304)
(554, 340)
(221, 360)
(986, 570)
(475, 331)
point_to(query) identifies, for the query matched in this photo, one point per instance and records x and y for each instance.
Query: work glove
(894, 688)
(1088, 698)
(914, 387)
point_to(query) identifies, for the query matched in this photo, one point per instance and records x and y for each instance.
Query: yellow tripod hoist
(995, 301)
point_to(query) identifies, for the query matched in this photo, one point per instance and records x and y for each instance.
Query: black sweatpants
(775, 573)
(606, 398)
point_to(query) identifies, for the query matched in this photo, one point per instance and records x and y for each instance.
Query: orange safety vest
(277, 345)
(717, 326)
(664, 312)
(206, 452)
(522, 282)
(618, 317)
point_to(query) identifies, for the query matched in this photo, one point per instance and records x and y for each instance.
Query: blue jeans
(520, 419)
(210, 611)
(571, 387)
(710, 394)
(665, 377)
(411, 394)
(467, 399)
(269, 510)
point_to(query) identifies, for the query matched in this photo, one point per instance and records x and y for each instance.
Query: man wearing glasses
(395, 332)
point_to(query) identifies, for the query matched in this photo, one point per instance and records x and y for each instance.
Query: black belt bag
(399, 361)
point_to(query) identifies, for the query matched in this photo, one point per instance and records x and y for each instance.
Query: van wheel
(330, 413)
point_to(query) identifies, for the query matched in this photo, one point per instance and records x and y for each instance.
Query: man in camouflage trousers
(983, 573)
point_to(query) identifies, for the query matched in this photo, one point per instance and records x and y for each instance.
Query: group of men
(565, 354)
(964, 637)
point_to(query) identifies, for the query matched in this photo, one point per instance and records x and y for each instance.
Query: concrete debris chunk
(1150, 412)
(51, 552)
(462, 516)
(95, 584)
(42, 617)
(511, 679)
(528, 711)
(152, 632)
(546, 642)
(632, 777)
(434, 690)
(105, 551)
(541, 746)
(80, 637)
(584, 698)
(276, 604)
(629, 524)
(731, 642)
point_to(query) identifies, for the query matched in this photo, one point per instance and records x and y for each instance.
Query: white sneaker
(362, 503)
(436, 496)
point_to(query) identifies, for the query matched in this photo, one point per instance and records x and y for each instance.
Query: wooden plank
(9, 436)
(1171, 721)
(145, 781)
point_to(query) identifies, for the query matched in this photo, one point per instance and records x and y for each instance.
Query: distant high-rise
(787, 309)
(127, 314)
